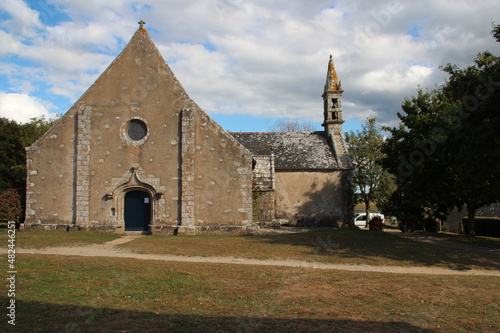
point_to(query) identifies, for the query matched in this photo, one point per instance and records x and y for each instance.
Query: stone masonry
(187, 158)
(136, 153)
(82, 194)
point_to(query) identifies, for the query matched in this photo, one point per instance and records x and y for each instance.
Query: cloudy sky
(245, 62)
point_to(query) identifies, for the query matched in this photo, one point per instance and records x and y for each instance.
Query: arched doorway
(137, 211)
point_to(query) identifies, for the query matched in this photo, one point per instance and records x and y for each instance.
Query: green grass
(91, 294)
(329, 246)
(44, 239)
(76, 294)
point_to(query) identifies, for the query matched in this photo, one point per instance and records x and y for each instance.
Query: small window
(137, 129)
(335, 103)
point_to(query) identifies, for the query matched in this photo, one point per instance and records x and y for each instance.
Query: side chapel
(136, 153)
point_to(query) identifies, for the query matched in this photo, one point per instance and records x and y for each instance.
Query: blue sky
(247, 63)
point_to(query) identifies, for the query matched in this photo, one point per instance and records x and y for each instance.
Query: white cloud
(21, 108)
(265, 58)
(395, 78)
(24, 20)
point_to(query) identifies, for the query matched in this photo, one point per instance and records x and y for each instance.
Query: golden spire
(332, 82)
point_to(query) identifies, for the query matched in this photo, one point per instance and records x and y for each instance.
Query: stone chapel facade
(135, 153)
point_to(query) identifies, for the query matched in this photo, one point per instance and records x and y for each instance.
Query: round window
(137, 129)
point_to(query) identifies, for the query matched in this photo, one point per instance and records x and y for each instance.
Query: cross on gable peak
(141, 24)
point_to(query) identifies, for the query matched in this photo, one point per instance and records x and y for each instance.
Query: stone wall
(187, 169)
(51, 165)
(263, 188)
(310, 198)
(223, 179)
(197, 175)
(83, 137)
(199, 178)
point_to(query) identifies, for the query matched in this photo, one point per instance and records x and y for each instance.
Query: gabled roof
(292, 150)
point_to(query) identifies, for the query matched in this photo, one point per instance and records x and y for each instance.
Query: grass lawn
(329, 246)
(489, 242)
(80, 294)
(43, 239)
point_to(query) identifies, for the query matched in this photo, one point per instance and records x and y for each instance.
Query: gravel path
(110, 250)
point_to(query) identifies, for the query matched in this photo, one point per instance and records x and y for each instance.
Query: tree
(14, 138)
(415, 157)
(371, 182)
(495, 31)
(290, 125)
(475, 145)
(446, 150)
(12, 155)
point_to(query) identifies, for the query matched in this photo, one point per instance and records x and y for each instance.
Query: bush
(431, 225)
(10, 206)
(484, 226)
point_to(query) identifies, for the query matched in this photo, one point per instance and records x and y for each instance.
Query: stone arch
(132, 180)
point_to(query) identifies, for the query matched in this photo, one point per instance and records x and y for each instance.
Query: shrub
(10, 205)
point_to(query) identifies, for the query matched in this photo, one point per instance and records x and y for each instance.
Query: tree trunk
(471, 213)
(367, 211)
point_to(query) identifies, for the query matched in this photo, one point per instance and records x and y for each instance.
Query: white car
(360, 219)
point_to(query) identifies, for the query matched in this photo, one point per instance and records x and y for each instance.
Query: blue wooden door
(137, 211)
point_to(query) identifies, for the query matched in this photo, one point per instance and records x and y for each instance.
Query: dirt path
(109, 249)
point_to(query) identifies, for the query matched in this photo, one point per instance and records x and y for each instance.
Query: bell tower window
(335, 103)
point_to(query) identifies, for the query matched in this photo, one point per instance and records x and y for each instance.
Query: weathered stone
(194, 177)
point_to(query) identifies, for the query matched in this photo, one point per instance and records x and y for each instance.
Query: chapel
(136, 154)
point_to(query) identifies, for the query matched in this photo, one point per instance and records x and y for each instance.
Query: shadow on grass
(380, 246)
(46, 317)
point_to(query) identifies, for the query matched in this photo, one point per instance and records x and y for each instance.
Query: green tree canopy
(14, 138)
(371, 182)
(446, 151)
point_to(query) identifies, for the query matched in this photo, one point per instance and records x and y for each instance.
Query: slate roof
(292, 150)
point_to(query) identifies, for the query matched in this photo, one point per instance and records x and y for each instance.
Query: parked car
(360, 219)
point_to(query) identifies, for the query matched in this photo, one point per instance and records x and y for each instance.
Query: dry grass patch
(488, 242)
(329, 246)
(109, 294)
(44, 239)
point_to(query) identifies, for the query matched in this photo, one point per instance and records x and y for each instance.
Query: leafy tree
(14, 138)
(495, 31)
(446, 151)
(413, 154)
(290, 125)
(371, 182)
(475, 144)
(12, 155)
(30, 132)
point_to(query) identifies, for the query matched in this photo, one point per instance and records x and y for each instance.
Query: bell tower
(332, 98)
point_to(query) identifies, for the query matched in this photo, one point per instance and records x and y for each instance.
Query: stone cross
(141, 22)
